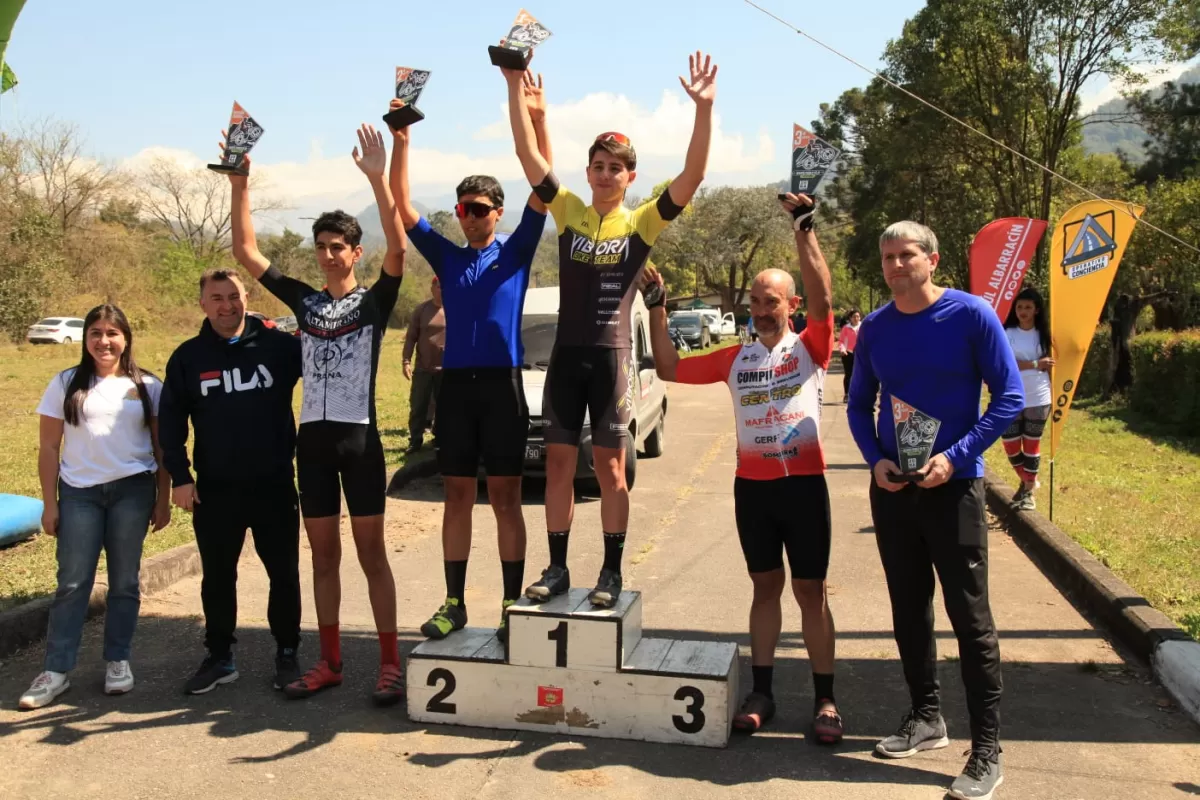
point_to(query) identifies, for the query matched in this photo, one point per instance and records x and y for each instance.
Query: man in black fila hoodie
(235, 381)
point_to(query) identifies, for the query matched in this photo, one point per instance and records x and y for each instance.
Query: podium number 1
(559, 637)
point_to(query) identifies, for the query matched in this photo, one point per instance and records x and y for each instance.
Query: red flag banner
(999, 258)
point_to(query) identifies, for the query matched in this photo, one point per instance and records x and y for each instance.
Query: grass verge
(1127, 490)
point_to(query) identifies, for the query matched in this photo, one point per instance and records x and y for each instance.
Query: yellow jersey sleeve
(561, 202)
(652, 217)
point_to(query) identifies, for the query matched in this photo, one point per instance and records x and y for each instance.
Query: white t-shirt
(1027, 346)
(111, 441)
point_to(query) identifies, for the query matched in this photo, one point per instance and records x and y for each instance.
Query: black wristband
(803, 217)
(654, 296)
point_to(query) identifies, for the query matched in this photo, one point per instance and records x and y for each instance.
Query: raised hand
(234, 178)
(702, 87)
(535, 96)
(399, 134)
(373, 158)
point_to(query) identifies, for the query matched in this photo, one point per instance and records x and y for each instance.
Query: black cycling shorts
(337, 457)
(598, 380)
(789, 514)
(482, 414)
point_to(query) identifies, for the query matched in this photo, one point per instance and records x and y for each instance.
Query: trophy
(811, 159)
(516, 49)
(916, 432)
(409, 85)
(243, 134)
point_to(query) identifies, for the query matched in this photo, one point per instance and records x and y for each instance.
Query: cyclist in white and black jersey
(338, 448)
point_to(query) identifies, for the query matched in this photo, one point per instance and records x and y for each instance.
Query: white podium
(572, 668)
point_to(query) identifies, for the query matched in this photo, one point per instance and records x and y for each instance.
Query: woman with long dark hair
(846, 341)
(103, 486)
(1028, 333)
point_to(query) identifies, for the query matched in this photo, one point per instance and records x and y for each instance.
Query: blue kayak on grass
(20, 518)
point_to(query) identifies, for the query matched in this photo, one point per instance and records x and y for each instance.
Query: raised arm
(814, 272)
(536, 166)
(398, 175)
(245, 245)
(372, 161)
(702, 88)
(535, 102)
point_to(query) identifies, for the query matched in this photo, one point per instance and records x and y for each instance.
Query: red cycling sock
(388, 653)
(331, 644)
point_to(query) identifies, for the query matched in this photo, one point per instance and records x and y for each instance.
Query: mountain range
(1108, 135)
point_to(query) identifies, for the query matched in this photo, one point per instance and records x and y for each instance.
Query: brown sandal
(827, 725)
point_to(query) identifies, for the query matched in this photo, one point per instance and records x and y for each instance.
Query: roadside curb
(26, 623)
(425, 468)
(1146, 631)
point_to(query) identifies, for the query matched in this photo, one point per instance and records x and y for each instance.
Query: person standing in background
(847, 339)
(1028, 333)
(427, 336)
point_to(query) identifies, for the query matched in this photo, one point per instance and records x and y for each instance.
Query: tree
(1173, 121)
(69, 184)
(1012, 69)
(722, 240)
(192, 206)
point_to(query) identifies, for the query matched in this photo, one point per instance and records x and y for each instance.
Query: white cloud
(660, 135)
(1154, 74)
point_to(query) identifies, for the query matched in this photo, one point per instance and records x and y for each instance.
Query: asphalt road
(1079, 720)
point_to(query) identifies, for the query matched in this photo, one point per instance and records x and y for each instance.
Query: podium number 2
(559, 637)
(696, 722)
(437, 703)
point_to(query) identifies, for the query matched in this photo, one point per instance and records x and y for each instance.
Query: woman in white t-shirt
(99, 464)
(1028, 333)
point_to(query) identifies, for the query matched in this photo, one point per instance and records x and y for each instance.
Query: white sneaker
(44, 689)
(119, 678)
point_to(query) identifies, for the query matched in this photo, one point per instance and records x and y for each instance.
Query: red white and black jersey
(776, 399)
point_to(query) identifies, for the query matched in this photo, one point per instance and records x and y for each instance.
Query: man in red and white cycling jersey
(780, 498)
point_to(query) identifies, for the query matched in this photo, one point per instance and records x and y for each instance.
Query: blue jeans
(115, 516)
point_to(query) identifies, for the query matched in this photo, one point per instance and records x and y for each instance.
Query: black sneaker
(287, 668)
(979, 778)
(757, 710)
(914, 735)
(608, 589)
(451, 617)
(214, 671)
(555, 580)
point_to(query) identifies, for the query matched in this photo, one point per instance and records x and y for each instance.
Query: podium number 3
(437, 703)
(695, 722)
(559, 637)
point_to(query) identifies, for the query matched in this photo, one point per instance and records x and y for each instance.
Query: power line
(952, 118)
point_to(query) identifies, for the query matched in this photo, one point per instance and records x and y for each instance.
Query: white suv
(647, 427)
(56, 330)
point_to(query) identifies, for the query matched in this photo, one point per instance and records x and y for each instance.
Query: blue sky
(142, 77)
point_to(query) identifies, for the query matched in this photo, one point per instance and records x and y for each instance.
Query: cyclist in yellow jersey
(602, 249)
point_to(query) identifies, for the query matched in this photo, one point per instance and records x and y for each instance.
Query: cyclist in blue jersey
(481, 410)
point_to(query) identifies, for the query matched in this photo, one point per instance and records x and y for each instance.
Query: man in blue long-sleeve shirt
(934, 348)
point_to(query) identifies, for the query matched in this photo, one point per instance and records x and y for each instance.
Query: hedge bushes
(1166, 378)
(1096, 368)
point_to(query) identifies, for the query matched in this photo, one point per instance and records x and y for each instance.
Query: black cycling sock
(762, 680)
(456, 580)
(823, 687)
(558, 547)
(614, 546)
(514, 576)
